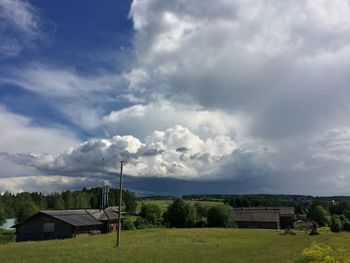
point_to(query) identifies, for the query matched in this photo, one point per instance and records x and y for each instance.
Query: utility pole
(120, 202)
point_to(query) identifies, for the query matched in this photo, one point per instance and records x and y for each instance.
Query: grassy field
(173, 245)
(164, 203)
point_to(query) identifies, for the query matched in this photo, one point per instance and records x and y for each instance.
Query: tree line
(23, 205)
(181, 214)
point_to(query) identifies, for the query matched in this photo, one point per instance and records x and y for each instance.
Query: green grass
(173, 245)
(164, 203)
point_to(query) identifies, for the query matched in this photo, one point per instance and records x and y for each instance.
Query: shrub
(151, 213)
(321, 253)
(201, 209)
(336, 224)
(346, 226)
(128, 224)
(320, 215)
(219, 216)
(180, 214)
(201, 223)
(317, 253)
(142, 223)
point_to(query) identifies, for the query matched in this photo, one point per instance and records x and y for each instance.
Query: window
(49, 227)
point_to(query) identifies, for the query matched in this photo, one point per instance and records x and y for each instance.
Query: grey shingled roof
(73, 217)
(110, 213)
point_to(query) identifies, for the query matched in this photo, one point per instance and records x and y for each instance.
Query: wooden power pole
(120, 203)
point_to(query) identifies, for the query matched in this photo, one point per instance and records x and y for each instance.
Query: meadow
(174, 245)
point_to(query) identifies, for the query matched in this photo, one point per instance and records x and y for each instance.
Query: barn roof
(81, 217)
(258, 215)
(73, 217)
(283, 210)
(287, 210)
(110, 213)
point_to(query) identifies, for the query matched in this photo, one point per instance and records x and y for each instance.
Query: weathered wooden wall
(33, 229)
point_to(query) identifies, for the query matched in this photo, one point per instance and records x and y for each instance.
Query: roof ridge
(92, 216)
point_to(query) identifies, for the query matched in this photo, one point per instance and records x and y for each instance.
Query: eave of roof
(73, 217)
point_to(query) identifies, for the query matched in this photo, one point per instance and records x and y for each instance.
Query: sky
(197, 96)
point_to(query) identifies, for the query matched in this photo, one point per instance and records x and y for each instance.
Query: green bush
(320, 215)
(346, 226)
(201, 209)
(128, 224)
(180, 214)
(151, 213)
(220, 216)
(336, 224)
(201, 223)
(141, 223)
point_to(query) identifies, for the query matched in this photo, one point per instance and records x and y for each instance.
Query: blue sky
(224, 97)
(81, 35)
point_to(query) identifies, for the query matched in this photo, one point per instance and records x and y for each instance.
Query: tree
(219, 216)
(201, 209)
(180, 214)
(2, 214)
(151, 213)
(81, 199)
(130, 202)
(320, 215)
(68, 199)
(27, 209)
(58, 203)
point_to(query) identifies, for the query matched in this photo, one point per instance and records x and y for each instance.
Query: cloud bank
(175, 152)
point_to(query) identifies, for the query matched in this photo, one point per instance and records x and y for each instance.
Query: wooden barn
(267, 219)
(264, 217)
(60, 224)
(108, 217)
(287, 217)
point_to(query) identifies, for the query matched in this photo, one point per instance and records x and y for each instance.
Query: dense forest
(21, 205)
